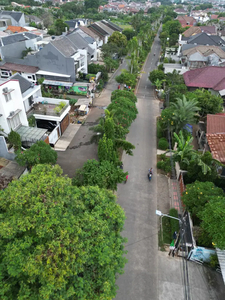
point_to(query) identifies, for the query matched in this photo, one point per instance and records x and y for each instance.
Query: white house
(19, 98)
(12, 112)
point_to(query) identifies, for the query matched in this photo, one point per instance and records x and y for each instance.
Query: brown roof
(16, 29)
(89, 32)
(205, 51)
(216, 123)
(192, 31)
(19, 68)
(217, 146)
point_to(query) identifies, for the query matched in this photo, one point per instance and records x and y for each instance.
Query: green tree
(197, 194)
(60, 26)
(123, 93)
(213, 220)
(104, 175)
(59, 241)
(194, 172)
(126, 78)
(208, 103)
(129, 33)
(156, 74)
(90, 4)
(106, 150)
(108, 50)
(39, 153)
(111, 64)
(119, 39)
(184, 112)
(15, 140)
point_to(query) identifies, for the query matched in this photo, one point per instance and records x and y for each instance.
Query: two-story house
(14, 18)
(20, 99)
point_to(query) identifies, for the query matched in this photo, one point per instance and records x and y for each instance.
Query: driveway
(139, 196)
(80, 149)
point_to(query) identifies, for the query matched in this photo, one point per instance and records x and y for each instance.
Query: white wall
(35, 92)
(12, 105)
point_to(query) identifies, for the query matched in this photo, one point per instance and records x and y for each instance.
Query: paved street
(139, 196)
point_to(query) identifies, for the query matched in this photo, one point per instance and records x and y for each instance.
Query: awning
(58, 83)
(82, 107)
(40, 72)
(221, 259)
(31, 134)
(222, 93)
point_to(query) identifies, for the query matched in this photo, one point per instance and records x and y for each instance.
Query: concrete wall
(49, 59)
(4, 150)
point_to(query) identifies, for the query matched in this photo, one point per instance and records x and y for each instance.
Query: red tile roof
(16, 29)
(216, 123)
(216, 136)
(217, 146)
(213, 17)
(208, 77)
(186, 21)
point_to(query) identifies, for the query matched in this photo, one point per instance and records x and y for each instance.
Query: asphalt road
(138, 196)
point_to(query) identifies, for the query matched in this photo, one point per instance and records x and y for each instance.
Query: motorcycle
(149, 176)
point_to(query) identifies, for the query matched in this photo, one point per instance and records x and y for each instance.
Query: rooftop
(49, 106)
(217, 146)
(216, 124)
(209, 77)
(16, 29)
(19, 68)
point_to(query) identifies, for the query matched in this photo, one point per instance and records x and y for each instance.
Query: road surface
(139, 196)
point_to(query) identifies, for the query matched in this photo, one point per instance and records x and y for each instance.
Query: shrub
(160, 132)
(32, 121)
(174, 224)
(164, 165)
(14, 140)
(73, 101)
(163, 144)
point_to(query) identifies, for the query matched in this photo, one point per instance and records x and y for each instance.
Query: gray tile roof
(65, 46)
(85, 36)
(79, 42)
(16, 15)
(17, 37)
(24, 83)
(105, 27)
(204, 39)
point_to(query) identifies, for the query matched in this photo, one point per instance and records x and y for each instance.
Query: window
(14, 122)
(8, 97)
(29, 77)
(30, 100)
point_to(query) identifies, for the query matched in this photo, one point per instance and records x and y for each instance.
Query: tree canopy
(119, 39)
(59, 241)
(39, 153)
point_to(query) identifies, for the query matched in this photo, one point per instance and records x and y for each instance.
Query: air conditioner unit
(5, 90)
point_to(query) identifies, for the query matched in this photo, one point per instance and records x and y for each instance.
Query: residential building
(186, 21)
(76, 23)
(92, 34)
(201, 56)
(210, 30)
(13, 45)
(19, 98)
(15, 18)
(216, 137)
(28, 72)
(211, 78)
(15, 29)
(32, 18)
(102, 34)
(198, 39)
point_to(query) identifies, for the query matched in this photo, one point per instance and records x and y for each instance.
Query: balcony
(50, 106)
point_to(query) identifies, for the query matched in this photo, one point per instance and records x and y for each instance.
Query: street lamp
(159, 213)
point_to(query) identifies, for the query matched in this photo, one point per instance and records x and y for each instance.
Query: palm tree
(184, 112)
(185, 153)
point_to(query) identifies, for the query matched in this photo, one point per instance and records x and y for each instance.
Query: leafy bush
(73, 101)
(32, 121)
(164, 165)
(14, 140)
(160, 132)
(163, 144)
(122, 93)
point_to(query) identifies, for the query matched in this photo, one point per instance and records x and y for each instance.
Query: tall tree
(184, 112)
(59, 241)
(91, 4)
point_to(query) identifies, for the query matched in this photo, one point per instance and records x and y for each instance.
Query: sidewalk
(205, 284)
(80, 149)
